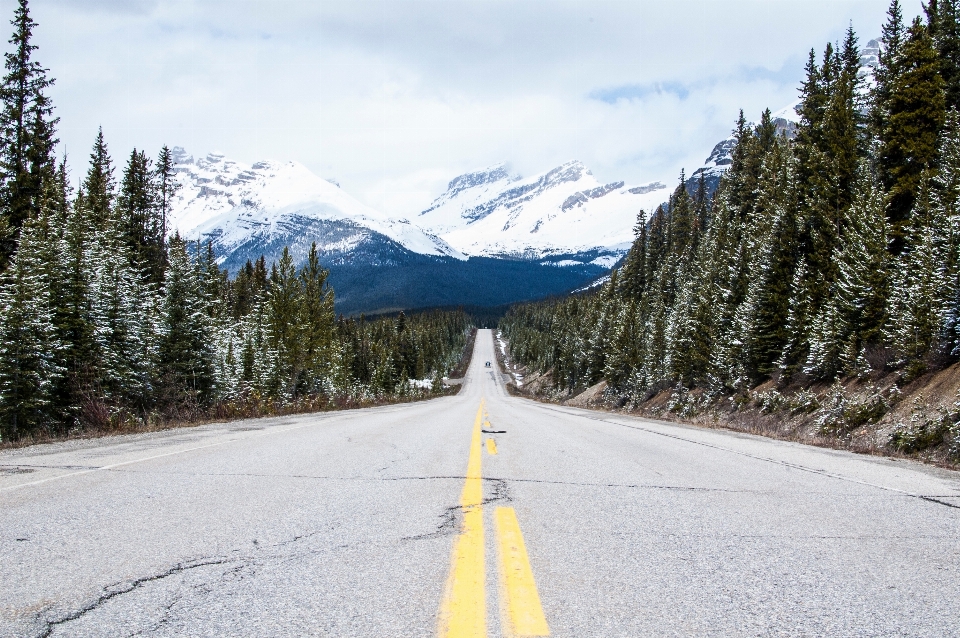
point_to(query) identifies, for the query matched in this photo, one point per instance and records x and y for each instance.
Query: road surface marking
(524, 615)
(491, 446)
(463, 611)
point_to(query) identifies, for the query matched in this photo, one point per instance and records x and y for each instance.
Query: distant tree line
(105, 321)
(833, 253)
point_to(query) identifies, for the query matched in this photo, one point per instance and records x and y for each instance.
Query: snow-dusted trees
(833, 253)
(28, 339)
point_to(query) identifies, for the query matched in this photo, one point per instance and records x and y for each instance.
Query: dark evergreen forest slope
(831, 256)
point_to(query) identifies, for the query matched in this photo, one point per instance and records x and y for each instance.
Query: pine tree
(947, 201)
(942, 22)
(28, 341)
(139, 210)
(915, 111)
(918, 306)
(99, 185)
(27, 133)
(122, 310)
(318, 318)
(185, 349)
(889, 68)
(863, 285)
(73, 314)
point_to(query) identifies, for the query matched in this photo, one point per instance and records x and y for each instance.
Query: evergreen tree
(27, 133)
(942, 21)
(122, 311)
(889, 67)
(918, 303)
(763, 319)
(185, 349)
(28, 341)
(864, 266)
(285, 323)
(318, 320)
(947, 201)
(633, 281)
(139, 210)
(99, 185)
(166, 189)
(73, 314)
(914, 115)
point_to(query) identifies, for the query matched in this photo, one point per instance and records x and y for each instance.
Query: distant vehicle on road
(487, 364)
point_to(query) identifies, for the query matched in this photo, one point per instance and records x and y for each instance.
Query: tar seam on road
(795, 466)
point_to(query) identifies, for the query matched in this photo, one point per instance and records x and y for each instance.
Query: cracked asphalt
(342, 524)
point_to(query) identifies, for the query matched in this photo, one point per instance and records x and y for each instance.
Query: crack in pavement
(649, 486)
(451, 515)
(115, 590)
(795, 466)
(118, 589)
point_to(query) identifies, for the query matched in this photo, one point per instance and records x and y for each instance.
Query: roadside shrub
(770, 401)
(921, 431)
(803, 402)
(844, 413)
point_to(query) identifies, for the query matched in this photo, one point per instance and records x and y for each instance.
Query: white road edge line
(150, 458)
(795, 466)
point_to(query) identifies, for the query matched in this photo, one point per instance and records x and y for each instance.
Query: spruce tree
(139, 211)
(73, 314)
(318, 318)
(166, 190)
(863, 286)
(122, 310)
(99, 185)
(185, 348)
(285, 321)
(947, 201)
(27, 133)
(28, 340)
(942, 21)
(914, 112)
(918, 306)
(889, 67)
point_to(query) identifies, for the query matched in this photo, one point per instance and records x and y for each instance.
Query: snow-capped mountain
(252, 210)
(564, 212)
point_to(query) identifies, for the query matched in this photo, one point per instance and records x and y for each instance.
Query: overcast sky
(394, 98)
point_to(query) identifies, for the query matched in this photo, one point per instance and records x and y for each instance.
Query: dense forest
(833, 254)
(106, 322)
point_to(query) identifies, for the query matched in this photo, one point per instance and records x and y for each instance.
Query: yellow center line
(463, 611)
(523, 613)
(491, 446)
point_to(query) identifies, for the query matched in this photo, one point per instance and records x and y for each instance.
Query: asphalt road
(400, 521)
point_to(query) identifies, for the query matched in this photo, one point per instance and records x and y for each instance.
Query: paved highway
(473, 515)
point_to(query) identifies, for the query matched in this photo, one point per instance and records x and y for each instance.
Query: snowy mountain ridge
(565, 211)
(236, 205)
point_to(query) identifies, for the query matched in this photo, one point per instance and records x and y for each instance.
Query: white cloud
(396, 97)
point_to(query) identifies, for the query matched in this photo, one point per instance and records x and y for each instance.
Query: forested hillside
(107, 323)
(833, 255)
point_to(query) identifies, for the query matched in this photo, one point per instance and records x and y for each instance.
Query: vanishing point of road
(472, 515)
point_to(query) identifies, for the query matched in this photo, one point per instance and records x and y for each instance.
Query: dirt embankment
(882, 415)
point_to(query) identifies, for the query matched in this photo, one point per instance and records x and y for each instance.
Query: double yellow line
(463, 612)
